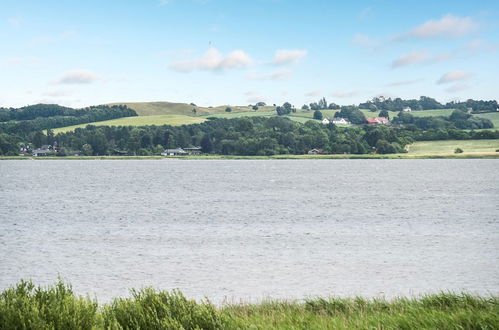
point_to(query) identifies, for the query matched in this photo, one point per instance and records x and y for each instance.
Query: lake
(245, 230)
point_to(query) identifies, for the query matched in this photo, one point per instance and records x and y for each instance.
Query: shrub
(458, 151)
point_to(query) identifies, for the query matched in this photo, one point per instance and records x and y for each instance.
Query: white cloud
(22, 60)
(78, 77)
(286, 56)
(410, 58)
(419, 57)
(214, 60)
(479, 46)
(314, 93)
(453, 76)
(457, 88)
(449, 26)
(275, 75)
(404, 82)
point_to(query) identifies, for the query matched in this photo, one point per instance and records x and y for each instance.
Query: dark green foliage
(150, 309)
(46, 119)
(285, 109)
(228, 109)
(206, 144)
(352, 113)
(458, 151)
(317, 115)
(384, 113)
(26, 306)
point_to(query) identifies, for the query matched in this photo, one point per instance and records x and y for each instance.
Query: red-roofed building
(378, 121)
(372, 121)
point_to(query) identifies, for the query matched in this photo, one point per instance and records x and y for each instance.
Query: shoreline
(468, 155)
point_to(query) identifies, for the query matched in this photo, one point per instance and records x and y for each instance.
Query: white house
(174, 152)
(407, 109)
(326, 121)
(340, 120)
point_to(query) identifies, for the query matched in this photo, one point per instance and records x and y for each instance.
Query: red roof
(372, 121)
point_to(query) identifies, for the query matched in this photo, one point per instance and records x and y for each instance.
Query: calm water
(246, 230)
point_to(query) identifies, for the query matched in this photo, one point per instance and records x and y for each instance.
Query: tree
(384, 113)
(323, 103)
(87, 149)
(261, 104)
(206, 144)
(228, 109)
(194, 111)
(255, 107)
(305, 107)
(317, 115)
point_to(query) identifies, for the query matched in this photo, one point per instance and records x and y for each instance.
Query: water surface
(246, 230)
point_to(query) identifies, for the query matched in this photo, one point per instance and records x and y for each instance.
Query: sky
(239, 52)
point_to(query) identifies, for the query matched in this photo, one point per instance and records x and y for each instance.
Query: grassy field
(26, 306)
(167, 113)
(174, 120)
(448, 147)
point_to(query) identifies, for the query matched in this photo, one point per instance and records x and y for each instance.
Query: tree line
(239, 136)
(45, 116)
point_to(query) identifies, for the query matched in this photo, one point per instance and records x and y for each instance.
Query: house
(378, 121)
(43, 152)
(174, 152)
(382, 120)
(340, 120)
(326, 121)
(469, 111)
(193, 150)
(407, 109)
(315, 151)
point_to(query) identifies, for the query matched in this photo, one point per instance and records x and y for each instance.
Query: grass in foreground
(26, 306)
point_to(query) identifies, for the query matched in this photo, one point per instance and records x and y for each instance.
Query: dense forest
(47, 116)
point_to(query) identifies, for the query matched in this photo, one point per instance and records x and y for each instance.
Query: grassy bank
(26, 306)
(465, 155)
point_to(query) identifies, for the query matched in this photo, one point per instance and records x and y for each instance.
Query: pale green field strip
(449, 146)
(173, 120)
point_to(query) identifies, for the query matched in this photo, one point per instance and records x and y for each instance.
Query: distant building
(315, 151)
(378, 121)
(326, 121)
(340, 120)
(193, 150)
(407, 109)
(174, 152)
(43, 152)
(469, 110)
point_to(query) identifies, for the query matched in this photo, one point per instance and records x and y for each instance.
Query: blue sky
(214, 52)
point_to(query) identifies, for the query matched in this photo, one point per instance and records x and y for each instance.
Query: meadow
(176, 114)
(27, 306)
(449, 146)
(173, 120)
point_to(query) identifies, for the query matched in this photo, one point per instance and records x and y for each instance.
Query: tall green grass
(26, 306)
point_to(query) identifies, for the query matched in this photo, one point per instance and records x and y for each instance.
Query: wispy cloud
(14, 21)
(78, 77)
(214, 60)
(449, 26)
(453, 76)
(317, 92)
(479, 46)
(22, 60)
(48, 40)
(254, 97)
(365, 41)
(457, 88)
(404, 82)
(341, 94)
(419, 57)
(283, 74)
(58, 93)
(286, 56)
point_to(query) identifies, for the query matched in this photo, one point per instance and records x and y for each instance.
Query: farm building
(378, 121)
(407, 109)
(326, 121)
(340, 120)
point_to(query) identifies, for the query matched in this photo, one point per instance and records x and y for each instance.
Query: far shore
(464, 155)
